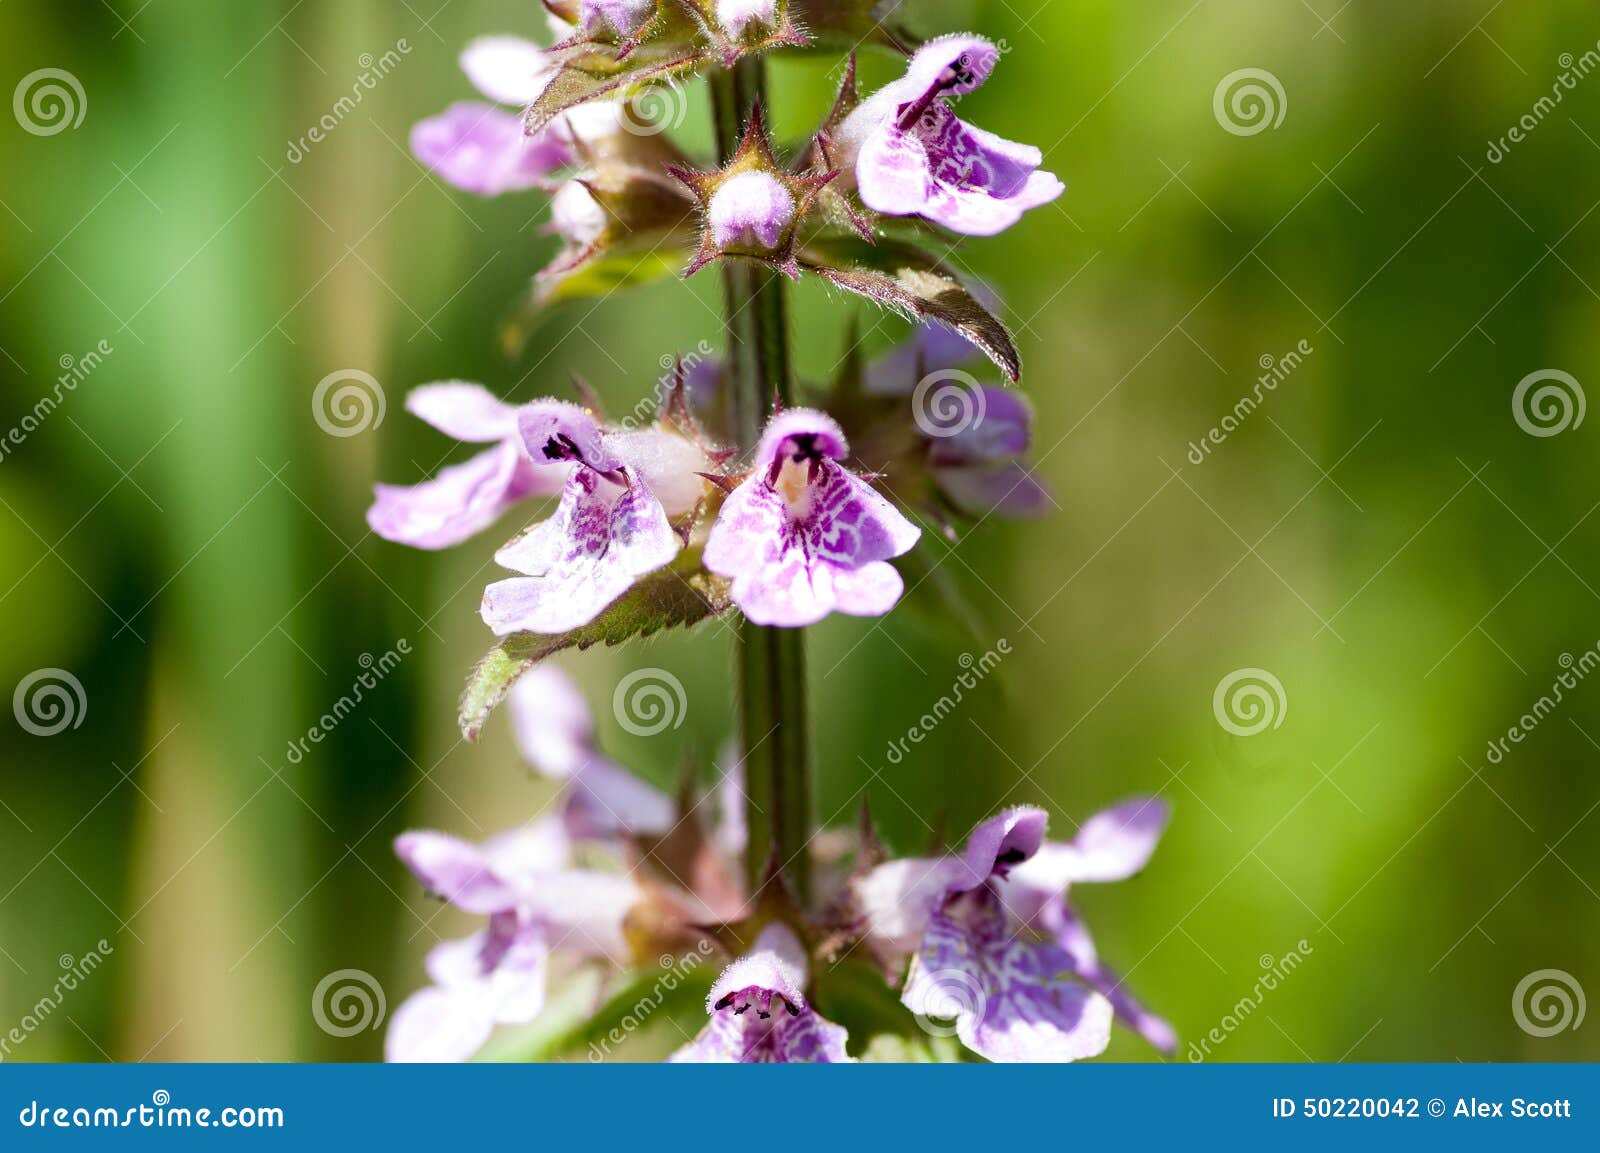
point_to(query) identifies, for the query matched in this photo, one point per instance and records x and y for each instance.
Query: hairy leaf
(591, 75)
(680, 594)
(903, 277)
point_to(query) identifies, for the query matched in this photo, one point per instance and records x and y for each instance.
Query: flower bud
(751, 208)
(737, 15)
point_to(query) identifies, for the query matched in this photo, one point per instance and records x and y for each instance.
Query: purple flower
(803, 536)
(1013, 998)
(555, 731)
(759, 1012)
(535, 903)
(482, 148)
(978, 435)
(1111, 846)
(610, 528)
(980, 466)
(913, 156)
(465, 498)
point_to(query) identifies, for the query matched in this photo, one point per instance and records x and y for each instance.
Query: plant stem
(774, 743)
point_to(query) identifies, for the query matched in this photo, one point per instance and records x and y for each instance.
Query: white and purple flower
(803, 536)
(1112, 845)
(535, 902)
(611, 527)
(464, 499)
(978, 457)
(759, 1012)
(912, 156)
(480, 147)
(964, 920)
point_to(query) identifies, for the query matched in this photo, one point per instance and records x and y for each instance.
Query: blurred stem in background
(771, 669)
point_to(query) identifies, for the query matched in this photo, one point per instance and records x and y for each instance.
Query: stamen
(958, 73)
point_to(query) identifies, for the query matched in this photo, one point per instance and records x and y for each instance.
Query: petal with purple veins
(601, 539)
(1012, 999)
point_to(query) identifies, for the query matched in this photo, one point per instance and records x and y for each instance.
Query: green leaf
(591, 75)
(903, 277)
(611, 273)
(682, 593)
(854, 994)
(676, 992)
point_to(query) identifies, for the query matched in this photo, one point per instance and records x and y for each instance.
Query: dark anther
(805, 446)
(794, 1010)
(560, 446)
(725, 1002)
(955, 74)
(1011, 857)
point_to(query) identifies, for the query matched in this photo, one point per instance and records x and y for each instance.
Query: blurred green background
(1381, 535)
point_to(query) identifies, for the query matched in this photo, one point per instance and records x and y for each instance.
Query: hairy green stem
(774, 739)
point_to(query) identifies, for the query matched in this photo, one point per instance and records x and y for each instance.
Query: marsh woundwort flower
(464, 499)
(759, 1011)
(912, 156)
(610, 528)
(803, 536)
(1013, 998)
(977, 436)
(535, 902)
(1112, 845)
(480, 147)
